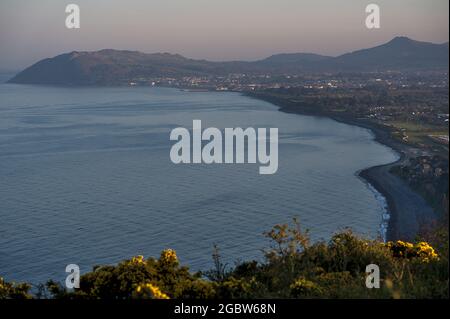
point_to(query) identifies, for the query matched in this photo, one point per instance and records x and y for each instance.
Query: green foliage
(139, 278)
(14, 291)
(293, 268)
(336, 269)
(302, 288)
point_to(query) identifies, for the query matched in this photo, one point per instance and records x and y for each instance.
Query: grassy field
(421, 135)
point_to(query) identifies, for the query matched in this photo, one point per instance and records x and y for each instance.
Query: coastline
(407, 210)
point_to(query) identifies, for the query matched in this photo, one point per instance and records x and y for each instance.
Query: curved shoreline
(407, 210)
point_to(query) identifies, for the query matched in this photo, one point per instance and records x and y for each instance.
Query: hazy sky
(211, 29)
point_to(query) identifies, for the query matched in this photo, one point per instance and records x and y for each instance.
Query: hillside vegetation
(292, 268)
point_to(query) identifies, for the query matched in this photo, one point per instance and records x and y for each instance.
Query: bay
(86, 178)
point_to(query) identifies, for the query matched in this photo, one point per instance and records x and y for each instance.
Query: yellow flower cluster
(400, 248)
(138, 259)
(169, 256)
(425, 251)
(154, 291)
(421, 250)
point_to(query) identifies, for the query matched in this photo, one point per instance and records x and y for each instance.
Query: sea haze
(86, 178)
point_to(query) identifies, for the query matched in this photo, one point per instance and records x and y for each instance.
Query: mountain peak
(401, 39)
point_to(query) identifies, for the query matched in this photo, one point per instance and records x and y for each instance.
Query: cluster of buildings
(251, 82)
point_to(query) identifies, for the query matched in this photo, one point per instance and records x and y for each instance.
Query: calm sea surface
(86, 178)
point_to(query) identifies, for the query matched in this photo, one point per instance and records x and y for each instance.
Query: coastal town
(388, 97)
(410, 87)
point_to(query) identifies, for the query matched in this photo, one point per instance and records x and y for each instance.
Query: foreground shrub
(305, 288)
(292, 268)
(14, 291)
(421, 250)
(161, 278)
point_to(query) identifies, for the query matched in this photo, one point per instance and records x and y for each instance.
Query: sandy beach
(408, 210)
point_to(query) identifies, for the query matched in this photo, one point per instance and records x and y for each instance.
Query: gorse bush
(161, 278)
(421, 250)
(292, 268)
(14, 291)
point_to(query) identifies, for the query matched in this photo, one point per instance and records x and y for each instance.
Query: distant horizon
(214, 30)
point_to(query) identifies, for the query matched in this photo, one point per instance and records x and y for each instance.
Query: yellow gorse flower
(138, 259)
(425, 251)
(169, 256)
(151, 289)
(421, 250)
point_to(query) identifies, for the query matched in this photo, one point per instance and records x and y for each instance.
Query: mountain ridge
(115, 67)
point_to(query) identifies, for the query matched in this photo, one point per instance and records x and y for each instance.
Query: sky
(216, 30)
